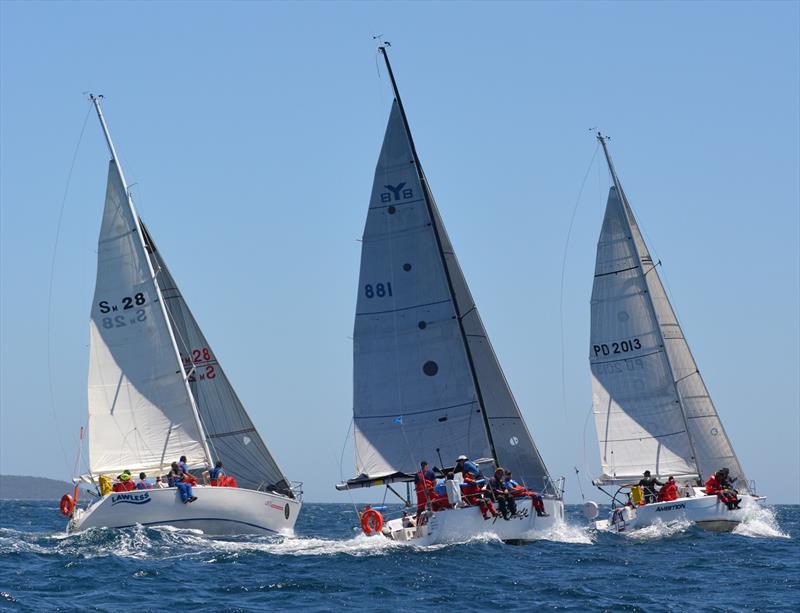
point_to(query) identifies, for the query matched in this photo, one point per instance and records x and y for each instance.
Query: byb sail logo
(397, 193)
(140, 498)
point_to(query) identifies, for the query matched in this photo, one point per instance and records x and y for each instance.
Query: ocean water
(328, 565)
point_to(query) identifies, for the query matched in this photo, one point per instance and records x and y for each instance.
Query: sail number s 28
(618, 347)
(379, 289)
(128, 302)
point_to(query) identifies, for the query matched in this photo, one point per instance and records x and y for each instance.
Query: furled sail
(140, 412)
(422, 378)
(230, 433)
(652, 409)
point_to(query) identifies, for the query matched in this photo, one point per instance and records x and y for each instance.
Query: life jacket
(227, 481)
(422, 483)
(668, 492)
(118, 487)
(713, 486)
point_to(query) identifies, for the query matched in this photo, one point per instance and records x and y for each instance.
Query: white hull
(705, 511)
(217, 511)
(462, 524)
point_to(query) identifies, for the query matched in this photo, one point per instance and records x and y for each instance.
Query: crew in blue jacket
(464, 465)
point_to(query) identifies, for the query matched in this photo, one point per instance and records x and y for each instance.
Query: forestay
(230, 433)
(652, 409)
(415, 394)
(140, 412)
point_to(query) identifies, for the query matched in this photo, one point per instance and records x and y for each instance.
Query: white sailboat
(652, 409)
(157, 392)
(427, 384)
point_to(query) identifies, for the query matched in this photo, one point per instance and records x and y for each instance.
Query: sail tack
(420, 350)
(231, 434)
(652, 409)
(140, 414)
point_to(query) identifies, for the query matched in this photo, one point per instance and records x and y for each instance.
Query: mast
(429, 204)
(160, 298)
(626, 207)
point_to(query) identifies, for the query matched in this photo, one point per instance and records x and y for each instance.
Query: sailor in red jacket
(727, 496)
(517, 491)
(713, 486)
(423, 484)
(669, 491)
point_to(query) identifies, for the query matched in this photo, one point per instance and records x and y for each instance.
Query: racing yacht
(651, 406)
(157, 391)
(427, 383)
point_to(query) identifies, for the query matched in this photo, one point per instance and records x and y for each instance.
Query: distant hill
(13, 487)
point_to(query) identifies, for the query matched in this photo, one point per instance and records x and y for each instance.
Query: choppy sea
(328, 565)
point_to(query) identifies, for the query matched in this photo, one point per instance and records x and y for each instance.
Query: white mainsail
(141, 415)
(228, 428)
(652, 409)
(427, 383)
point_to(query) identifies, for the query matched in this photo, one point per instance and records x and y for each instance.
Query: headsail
(231, 434)
(426, 380)
(140, 412)
(652, 409)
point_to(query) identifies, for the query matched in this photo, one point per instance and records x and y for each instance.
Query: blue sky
(251, 132)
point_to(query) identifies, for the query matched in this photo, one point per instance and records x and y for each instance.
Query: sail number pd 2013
(127, 302)
(618, 347)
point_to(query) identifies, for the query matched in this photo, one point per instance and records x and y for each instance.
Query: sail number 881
(379, 289)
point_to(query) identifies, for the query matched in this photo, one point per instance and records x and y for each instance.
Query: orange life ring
(67, 505)
(371, 522)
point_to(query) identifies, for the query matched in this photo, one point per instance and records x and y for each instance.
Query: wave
(659, 530)
(564, 532)
(760, 522)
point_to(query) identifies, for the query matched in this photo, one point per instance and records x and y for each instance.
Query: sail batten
(652, 409)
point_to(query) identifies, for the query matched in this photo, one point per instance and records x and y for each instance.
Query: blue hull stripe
(175, 521)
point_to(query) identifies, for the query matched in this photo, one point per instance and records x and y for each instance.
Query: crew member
(213, 476)
(423, 484)
(520, 492)
(176, 479)
(648, 485)
(669, 491)
(727, 496)
(143, 484)
(124, 482)
(502, 495)
(465, 466)
(475, 494)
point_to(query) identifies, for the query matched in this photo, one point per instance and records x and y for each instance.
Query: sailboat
(426, 382)
(157, 392)
(651, 406)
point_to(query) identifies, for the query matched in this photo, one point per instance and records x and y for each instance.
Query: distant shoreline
(25, 487)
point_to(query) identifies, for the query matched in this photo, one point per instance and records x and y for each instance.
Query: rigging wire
(563, 279)
(50, 288)
(341, 471)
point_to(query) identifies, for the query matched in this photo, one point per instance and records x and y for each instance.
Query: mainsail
(140, 411)
(230, 433)
(652, 409)
(427, 384)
